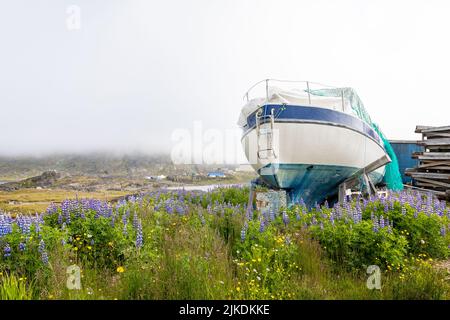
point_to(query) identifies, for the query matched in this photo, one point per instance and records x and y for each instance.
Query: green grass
(13, 288)
(198, 254)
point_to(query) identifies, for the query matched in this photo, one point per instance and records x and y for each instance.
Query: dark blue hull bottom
(312, 183)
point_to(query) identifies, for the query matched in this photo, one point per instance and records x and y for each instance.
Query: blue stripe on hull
(313, 183)
(287, 113)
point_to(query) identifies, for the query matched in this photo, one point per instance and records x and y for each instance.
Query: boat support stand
(364, 173)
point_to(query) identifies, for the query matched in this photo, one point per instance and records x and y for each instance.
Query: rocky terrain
(45, 180)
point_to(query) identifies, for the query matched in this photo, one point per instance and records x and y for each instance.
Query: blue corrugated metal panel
(403, 151)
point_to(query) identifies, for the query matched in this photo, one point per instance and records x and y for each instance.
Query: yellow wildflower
(120, 269)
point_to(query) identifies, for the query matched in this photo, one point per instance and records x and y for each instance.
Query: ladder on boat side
(264, 133)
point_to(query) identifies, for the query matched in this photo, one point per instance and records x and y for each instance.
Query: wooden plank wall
(433, 170)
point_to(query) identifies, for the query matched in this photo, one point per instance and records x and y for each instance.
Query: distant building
(156, 178)
(216, 174)
(244, 168)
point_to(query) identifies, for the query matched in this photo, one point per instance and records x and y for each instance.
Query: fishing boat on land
(307, 138)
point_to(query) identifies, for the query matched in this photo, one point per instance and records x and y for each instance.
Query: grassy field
(32, 200)
(188, 245)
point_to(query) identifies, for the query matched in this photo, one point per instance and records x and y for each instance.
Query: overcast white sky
(137, 70)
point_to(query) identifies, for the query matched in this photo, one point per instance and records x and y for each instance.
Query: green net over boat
(392, 176)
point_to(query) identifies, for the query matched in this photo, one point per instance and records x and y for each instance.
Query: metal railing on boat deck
(308, 89)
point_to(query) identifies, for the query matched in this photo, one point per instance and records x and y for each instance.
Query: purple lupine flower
(97, 212)
(358, 213)
(387, 223)
(24, 224)
(338, 211)
(249, 213)
(261, 225)
(135, 221)
(65, 207)
(243, 231)
(331, 218)
(37, 225)
(5, 225)
(285, 218)
(402, 199)
(419, 205)
(113, 221)
(202, 218)
(443, 231)
(52, 208)
(271, 215)
(125, 224)
(365, 202)
(7, 251)
(381, 224)
(317, 206)
(22, 246)
(43, 252)
(139, 235)
(375, 226)
(67, 216)
(180, 210)
(168, 206)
